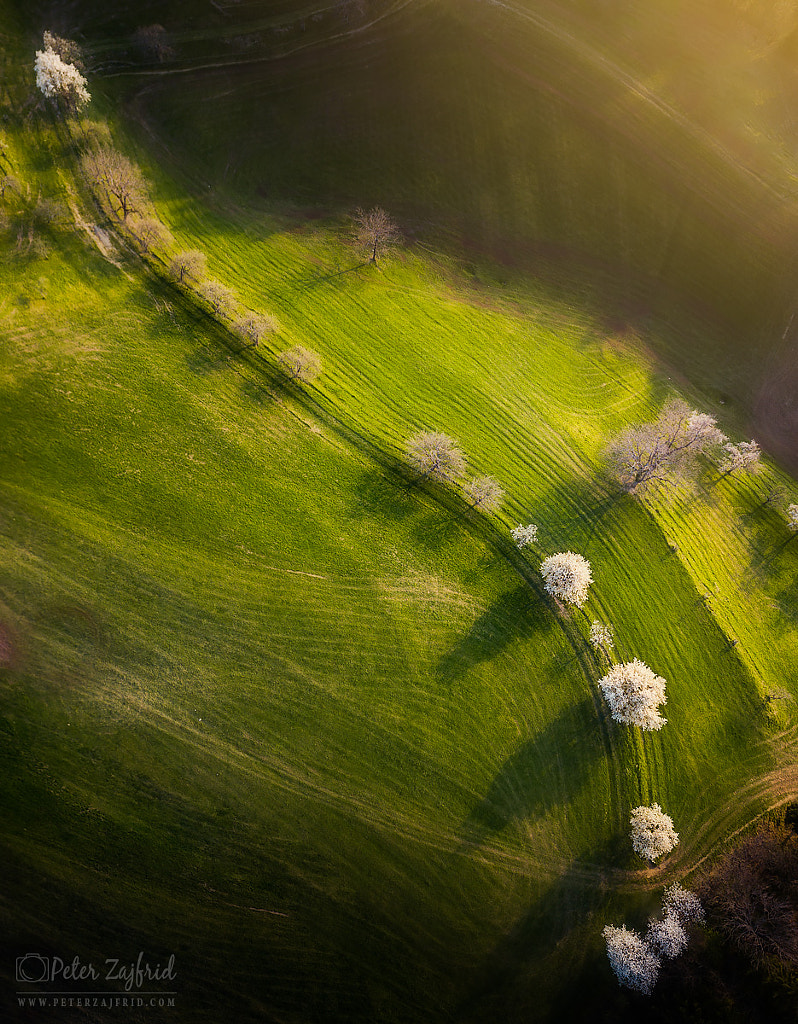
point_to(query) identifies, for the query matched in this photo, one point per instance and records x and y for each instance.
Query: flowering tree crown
(60, 81)
(635, 964)
(653, 834)
(567, 577)
(633, 692)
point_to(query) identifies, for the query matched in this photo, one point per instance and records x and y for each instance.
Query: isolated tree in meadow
(652, 834)
(647, 453)
(435, 455)
(60, 81)
(118, 178)
(219, 297)
(524, 535)
(191, 265)
(300, 363)
(633, 693)
(484, 492)
(667, 936)
(601, 638)
(635, 964)
(376, 231)
(253, 328)
(792, 518)
(745, 455)
(567, 577)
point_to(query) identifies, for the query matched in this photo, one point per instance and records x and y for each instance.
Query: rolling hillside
(270, 703)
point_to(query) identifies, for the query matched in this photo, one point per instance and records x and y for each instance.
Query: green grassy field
(271, 705)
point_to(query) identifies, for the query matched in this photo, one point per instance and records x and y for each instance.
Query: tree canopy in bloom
(635, 964)
(652, 834)
(60, 81)
(667, 936)
(633, 693)
(524, 535)
(567, 576)
(681, 903)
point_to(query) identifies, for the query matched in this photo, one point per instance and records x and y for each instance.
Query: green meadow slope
(271, 705)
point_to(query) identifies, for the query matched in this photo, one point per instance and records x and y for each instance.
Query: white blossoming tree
(435, 455)
(681, 903)
(567, 577)
(524, 535)
(484, 492)
(667, 936)
(792, 517)
(652, 834)
(635, 964)
(601, 637)
(745, 455)
(633, 693)
(60, 81)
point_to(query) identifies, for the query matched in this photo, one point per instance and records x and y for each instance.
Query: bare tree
(118, 178)
(484, 492)
(150, 233)
(648, 453)
(152, 42)
(219, 297)
(253, 327)
(751, 896)
(300, 363)
(376, 231)
(435, 455)
(190, 265)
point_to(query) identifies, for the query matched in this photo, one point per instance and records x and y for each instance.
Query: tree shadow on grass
(516, 614)
(380, 497)
(582, 510)
(546, 771)
(497, 982)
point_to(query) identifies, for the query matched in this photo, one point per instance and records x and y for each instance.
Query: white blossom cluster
(635, 964)
(653, 834)
(667, 936)
(58, 80)
(601, 636)
(745, 455)
(636, 961)
(633, 693)
(792, 517)
(681, 903)
(567, 577)
(523, 535)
